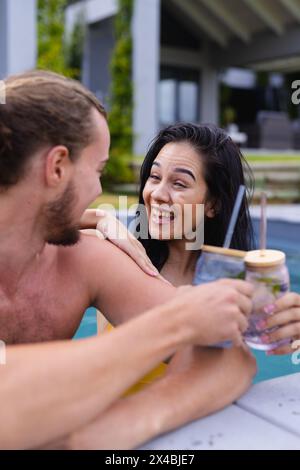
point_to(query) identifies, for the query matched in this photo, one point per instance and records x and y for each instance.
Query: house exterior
(181, 46)
(17, 36)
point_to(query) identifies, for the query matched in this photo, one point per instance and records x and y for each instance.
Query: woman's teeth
(158, 216)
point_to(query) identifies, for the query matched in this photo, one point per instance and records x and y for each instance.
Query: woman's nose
(161, 193)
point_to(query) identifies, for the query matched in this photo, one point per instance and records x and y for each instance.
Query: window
(178, 95)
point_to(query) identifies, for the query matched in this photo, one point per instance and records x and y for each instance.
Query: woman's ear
(210, 213)
(211, 209)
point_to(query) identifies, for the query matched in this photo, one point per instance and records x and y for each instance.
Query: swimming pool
(281, 235)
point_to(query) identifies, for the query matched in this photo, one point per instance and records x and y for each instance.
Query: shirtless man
(54, 144)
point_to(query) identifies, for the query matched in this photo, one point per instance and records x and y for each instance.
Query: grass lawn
(113, 199)
(273, 158)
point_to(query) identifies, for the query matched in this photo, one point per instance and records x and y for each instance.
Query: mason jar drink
(217, 263)
(267, 271)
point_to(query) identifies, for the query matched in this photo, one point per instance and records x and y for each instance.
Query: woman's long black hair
(225, 170)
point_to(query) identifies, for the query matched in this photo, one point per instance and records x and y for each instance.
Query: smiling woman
(190, 166)
(174, 187)
(195, 169)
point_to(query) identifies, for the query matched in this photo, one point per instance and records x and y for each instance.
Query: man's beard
(59, 227)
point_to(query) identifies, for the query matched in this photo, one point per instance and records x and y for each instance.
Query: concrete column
(209, 95)
(146, 64)
(18, 41)
(3, 39)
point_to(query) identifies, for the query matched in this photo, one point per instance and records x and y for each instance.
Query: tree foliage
(54, 52)
(121, 100)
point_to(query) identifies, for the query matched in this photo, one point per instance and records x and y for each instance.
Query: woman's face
(174, 192)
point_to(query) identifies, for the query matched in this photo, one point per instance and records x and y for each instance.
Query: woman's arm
(89, 219)
(199, 382)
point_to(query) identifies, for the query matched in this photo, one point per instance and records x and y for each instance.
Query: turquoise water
(88, 325)
(282, 236)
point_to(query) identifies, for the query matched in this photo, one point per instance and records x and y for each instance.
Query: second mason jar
(267, 271)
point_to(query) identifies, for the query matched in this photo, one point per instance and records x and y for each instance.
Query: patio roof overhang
(263, 34)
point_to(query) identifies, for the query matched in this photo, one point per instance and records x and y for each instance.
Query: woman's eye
(154, 177)
(180, 185)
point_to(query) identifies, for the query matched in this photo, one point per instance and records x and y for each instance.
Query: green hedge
(121, 99)
(54, 52)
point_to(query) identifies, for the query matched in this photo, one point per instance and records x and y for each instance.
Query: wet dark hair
(225, 169)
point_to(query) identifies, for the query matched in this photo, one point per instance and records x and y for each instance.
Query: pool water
(88, 325)
(281, 236)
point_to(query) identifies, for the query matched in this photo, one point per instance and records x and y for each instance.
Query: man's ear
(58, 165)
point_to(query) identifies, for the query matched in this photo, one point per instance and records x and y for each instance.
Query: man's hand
(216, 311)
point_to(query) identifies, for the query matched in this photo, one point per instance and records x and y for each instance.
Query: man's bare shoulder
(89, 249)
(94, 256)
(120, 289)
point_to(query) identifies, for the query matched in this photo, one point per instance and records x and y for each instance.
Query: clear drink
(267, 271)
(217, 263)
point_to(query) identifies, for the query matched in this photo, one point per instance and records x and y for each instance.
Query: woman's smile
(161, 216)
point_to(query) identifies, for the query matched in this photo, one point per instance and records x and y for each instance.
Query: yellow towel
(153, 375)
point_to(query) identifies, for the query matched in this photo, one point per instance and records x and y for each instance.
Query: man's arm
(201, 382)
(117, 286)
(49, 390)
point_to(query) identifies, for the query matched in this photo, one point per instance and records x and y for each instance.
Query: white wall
(93, 11)
(146, 60)
(3, 39)
(18, 36)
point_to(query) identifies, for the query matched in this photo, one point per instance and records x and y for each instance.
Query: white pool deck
(286, 212)
(266, 418)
